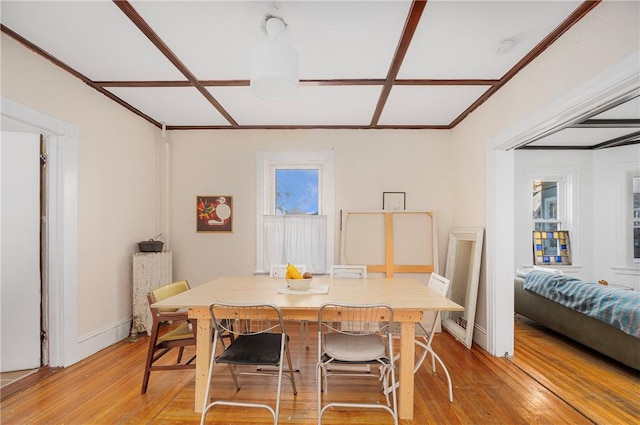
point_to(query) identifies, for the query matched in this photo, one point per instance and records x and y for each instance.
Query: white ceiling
(363, 64)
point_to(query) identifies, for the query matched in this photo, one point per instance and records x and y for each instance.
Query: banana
(292, 272)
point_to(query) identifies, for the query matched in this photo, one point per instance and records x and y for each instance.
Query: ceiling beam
(315, 82)
(576, 16)
(629, 139)
(417, 7)
(142, 25)
(612, 123)
(57, 62)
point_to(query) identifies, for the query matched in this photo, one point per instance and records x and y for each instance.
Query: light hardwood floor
(550, 380)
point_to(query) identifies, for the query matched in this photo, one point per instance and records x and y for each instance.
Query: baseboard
(103, 338)
(480, 336)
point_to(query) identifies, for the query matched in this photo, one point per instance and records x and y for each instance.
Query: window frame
(566, 178)
(266, 164)
(631, 220)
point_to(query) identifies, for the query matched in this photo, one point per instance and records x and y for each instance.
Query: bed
(603, 318)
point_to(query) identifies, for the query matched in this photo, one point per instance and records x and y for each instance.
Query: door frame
(618, 82)
(61, 270)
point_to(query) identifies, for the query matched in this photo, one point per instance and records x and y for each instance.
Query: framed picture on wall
(214, 213)
(393, 201)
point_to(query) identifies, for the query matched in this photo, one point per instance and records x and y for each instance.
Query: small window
(295, 218)
(296, 191)
(547, 205)
(635, 221)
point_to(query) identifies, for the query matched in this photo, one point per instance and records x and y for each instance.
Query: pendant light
(274, 65)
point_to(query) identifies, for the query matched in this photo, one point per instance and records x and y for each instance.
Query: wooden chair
(179, 336)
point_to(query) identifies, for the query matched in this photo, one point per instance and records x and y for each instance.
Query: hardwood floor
(550, 380)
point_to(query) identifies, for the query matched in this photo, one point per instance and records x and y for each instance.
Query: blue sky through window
(296, 191)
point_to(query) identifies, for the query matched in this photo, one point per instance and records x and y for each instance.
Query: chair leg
(150, 353)
(446, 372)
(319, 378)
(291, 376)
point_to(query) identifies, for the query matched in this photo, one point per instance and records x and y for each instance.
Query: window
(295, 210)
(548, 204)
(296, 190)
(635, 218)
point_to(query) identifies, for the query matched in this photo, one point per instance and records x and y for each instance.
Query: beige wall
(367, 164)
(117, 176)
(604, 37)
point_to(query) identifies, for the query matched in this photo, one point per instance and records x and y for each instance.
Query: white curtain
(296, 239)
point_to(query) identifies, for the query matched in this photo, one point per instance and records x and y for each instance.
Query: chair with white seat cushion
(351, 334)
(349, 271)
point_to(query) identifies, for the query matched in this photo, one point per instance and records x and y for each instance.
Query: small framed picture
(393, 201)
(214, 213)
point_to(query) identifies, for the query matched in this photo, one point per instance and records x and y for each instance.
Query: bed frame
(581, 328)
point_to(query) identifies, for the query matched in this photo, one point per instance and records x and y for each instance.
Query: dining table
(408, 297)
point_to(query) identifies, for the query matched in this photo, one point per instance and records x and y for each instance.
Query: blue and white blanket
(618, 307)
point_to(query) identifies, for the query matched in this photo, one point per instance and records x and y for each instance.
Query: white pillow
(547, 269)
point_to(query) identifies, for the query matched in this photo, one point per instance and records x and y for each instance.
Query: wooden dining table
(408, 298)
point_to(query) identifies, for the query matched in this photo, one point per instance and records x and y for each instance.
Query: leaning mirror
(463, 270)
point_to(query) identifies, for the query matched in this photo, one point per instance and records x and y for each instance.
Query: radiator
(150, 270)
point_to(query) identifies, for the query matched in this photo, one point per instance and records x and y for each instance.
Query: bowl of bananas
(297, 281)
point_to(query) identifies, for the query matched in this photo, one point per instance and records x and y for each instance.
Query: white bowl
(299, 284)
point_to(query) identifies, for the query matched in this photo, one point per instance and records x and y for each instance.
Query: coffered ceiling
(363, 64)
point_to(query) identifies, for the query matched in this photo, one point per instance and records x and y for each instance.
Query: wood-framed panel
(390, 242)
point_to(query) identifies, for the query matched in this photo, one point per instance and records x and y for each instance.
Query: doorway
(23, 203)
(61, 267)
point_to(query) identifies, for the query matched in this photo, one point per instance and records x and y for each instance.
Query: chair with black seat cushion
(259, 340)
(350, 334)
(170, 330)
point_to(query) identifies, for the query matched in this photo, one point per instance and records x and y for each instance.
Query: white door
(20, 251)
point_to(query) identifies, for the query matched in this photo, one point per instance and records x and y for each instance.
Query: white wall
(612, 207)
(367, 164)
(118, 175)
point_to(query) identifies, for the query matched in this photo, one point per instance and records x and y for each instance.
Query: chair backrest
(280, 270)
(342, 271)
(439, 284)
(165, 292)
(247, 319)
(355, 319)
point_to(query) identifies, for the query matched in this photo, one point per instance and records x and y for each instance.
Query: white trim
(621, 81)
(62, 272)
(500, 248)
(95, 341)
